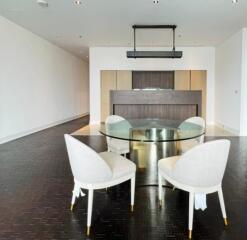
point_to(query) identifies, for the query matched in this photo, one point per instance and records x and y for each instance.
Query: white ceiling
(108, 22)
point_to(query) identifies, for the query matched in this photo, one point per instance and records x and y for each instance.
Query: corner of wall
(243, 110)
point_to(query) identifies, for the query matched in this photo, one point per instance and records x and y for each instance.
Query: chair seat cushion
(167, 164)
(118, 146)
(119, 165)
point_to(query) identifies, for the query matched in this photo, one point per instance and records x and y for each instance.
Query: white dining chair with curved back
(198, 171)
(93, 171)
(188, 144)
(116, 145)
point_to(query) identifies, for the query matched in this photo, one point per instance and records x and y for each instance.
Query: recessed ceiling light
(78, 2)
(234, 1)
(42, 3)
(155, 1)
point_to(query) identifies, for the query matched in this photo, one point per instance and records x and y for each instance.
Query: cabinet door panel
(124, 80)
(108, 82)
(199, 82)
(182, 80)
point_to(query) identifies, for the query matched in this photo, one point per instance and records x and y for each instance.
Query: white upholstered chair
(199, 170)
(116, 145)
(97, 171)
(188, 144)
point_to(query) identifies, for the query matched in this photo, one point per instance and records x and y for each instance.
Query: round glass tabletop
(152, 130)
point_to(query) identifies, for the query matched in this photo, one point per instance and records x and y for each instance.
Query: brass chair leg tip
(225, 222)
(71, 207)
(132, 208)
(88, 231)
(190, 234)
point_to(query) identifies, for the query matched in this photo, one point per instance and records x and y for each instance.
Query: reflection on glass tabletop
(152, 130)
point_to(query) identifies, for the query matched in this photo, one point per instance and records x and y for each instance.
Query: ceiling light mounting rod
(173, 48)
(173, 27)
(153, 54)
(134, 39)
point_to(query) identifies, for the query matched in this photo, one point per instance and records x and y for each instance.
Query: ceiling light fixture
(78, 2)
(155, 54)
(42, 3)
(234, 1)
(155, 1)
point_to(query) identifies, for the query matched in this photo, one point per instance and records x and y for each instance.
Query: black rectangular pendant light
(154, 54)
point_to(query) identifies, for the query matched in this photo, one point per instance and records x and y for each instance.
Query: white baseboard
(229, 129)
(210, 123)
(34, 130)
(94, 122)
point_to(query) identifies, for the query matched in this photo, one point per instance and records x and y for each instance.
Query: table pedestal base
(146, 156)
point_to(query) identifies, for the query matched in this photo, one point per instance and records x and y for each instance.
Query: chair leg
(160, 189)
(191, 212)
(222, 205)
(132, 201)
(89, 210)
(74, 195)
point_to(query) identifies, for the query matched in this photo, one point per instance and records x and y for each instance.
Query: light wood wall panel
(108, 82)
(124, 80)
(182, 80)
(113, 80)
(199, 82)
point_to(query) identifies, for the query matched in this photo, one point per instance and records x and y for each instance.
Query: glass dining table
(151, 140)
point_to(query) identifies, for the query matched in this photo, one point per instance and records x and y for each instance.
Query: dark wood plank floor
(36, 184)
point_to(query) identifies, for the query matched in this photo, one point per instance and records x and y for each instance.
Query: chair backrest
(87, 166)
(203, 165)
(110, 120)
(197, 121)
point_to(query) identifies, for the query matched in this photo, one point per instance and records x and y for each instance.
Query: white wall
(243, 111)
(106, 58)
(40, 84)
(228, 70)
